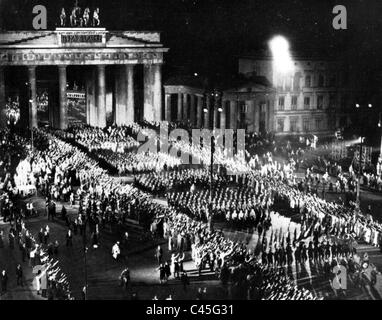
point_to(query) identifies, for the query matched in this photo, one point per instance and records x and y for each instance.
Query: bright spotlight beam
(282, 60)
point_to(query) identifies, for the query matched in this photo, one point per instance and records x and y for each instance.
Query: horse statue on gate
(63, 18)
(96, 19)
(73, 18)
(86, 17)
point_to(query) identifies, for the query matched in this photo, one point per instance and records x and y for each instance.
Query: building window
(306, 124)
(294, 103)
(307, 103)
(332, 101)
(280, 125)
(244, 108)
(296, 81)
(308, 81)
(320, 102)
(320, 80)
(318, 123)
(281, 103)
(293, 124)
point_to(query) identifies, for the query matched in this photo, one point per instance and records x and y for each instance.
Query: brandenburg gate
(94, 47)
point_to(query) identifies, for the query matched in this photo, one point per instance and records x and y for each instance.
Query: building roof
(251, 83)
(186, 80)
(238, 83)
(79, 46)
(53, 39)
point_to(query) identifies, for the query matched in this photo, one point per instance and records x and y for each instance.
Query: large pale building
(314, 97)
(317, 96)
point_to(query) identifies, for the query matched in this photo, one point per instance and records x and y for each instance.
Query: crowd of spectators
(50, 281)
(117, 139)
(101, 199)
(307, 228)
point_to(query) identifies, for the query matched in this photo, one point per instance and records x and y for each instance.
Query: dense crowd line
(117, 139)
(50, 281)
(98, 192)
(62, 172)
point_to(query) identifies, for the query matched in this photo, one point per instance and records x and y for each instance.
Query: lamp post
(219, 109)
(359, 172)
(30, 106)
(358, 200)
(95, 246)
(211, 180)
(380, 126)
(30, 110)
(85, 289)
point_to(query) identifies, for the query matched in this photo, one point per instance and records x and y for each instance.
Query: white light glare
(282, 60)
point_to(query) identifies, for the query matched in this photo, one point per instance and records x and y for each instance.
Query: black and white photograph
(190, 150)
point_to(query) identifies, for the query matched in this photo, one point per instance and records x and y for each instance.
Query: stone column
(148, 94)
(157, 90)
(233, 115)
(32, 96)
(63, 111)
(87, 105)
(91, 98)
(223, 116)
(206, 119)
(199, 111)
(3, 120)
(271, 115)
(167, 107)
(185, 107)
(101, 96)
(180, 107)
(121, 98)
(207, 114)
(114, 98)
(192, 110)
(129, 76)
(266, 116)
(152, 92)
(257, 107)
(216, 115)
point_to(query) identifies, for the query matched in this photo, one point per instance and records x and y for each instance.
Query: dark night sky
(205, 35)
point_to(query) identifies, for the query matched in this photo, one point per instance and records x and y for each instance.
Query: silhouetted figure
(63, 18)
(96, 19)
